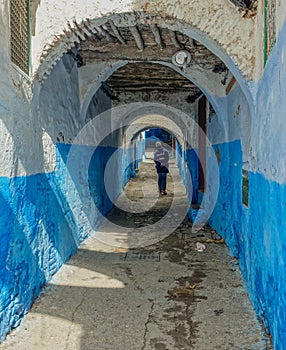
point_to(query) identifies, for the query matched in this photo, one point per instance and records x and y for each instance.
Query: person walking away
(161, 159)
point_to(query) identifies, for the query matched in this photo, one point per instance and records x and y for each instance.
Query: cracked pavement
(164, 296)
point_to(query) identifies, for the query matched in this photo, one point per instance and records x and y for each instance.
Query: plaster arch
(220, 21)
(240, 64)
(128, 119)
(91, 76)
(91, 79)
(154, 121)
(131, 113)
(208, 82)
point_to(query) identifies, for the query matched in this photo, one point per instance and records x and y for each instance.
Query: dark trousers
(162, 180)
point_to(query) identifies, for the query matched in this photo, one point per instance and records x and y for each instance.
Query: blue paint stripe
(255, 235)
(38, 231)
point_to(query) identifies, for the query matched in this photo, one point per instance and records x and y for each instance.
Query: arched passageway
(101, 81)
(133, 287)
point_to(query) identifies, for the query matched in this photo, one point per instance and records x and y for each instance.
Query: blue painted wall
(227, 215)
(187, 162)
(38, 230)
(254, 234)
(36, 238)
(264, 262)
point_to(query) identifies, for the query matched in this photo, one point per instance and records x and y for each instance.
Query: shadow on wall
(81, 179)
(38, 231)
(91, 323)
(36, 238)
(81, 176)
(39, 227)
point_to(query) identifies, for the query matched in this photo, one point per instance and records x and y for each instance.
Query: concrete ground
(167, 295)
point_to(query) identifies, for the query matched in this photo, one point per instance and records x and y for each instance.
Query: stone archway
(115, 32)
(216, 31)
(153, 121)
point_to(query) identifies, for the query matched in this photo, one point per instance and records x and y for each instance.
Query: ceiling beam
(105, 33)
(173, 89)
(175, 40)
(137, 37)
(157, 35)
(117, 32)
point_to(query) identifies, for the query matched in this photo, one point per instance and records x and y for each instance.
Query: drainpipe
(265, 31)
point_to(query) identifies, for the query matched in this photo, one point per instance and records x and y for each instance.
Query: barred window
(20, 33)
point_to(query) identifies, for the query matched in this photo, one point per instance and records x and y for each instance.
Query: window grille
(20, 33)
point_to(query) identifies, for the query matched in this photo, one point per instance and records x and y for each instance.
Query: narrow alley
(166, 296)
(94, 255)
